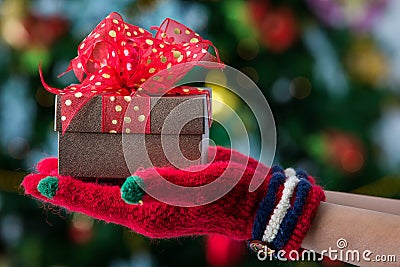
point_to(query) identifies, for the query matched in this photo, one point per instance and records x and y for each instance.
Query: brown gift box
(84, 151)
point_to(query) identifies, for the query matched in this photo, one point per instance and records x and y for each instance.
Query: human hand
(239, 214)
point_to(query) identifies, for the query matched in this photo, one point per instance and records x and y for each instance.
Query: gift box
(90, 149)
(128, 111)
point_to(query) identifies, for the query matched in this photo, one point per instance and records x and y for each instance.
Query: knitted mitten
(277, 214)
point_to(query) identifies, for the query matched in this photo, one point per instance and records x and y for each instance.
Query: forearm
(364, 230)
(386, 205)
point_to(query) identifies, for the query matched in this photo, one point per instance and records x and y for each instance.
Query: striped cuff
(284, 215)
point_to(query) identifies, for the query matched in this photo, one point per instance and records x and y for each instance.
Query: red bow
(116, 58)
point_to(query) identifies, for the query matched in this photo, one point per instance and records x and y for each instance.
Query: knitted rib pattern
(285, 213)
(232, 215)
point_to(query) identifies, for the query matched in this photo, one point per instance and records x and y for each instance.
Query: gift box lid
(184, 114)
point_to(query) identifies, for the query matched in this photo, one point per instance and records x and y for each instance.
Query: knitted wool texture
(286, 235)
(232, 215)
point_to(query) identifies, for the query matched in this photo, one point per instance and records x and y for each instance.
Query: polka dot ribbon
(118, 59)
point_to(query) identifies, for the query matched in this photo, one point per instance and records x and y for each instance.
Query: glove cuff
(284, 215)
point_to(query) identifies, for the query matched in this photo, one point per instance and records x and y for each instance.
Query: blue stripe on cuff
(290, 220)
(267, 205)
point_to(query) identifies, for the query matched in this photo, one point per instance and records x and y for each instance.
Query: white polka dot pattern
(124, 60)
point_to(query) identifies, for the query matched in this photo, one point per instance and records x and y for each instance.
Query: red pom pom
(48, 166)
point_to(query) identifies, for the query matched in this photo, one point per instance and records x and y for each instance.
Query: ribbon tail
(216, 53)
(52, 90)
(66, 71)
(208, 57)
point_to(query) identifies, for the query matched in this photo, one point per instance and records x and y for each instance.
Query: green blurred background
(330, 71)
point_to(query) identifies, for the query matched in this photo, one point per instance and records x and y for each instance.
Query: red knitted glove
(283, 205)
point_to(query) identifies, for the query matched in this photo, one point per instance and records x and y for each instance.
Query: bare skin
(370, 225)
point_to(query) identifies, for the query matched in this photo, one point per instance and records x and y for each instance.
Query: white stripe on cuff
(283, 206)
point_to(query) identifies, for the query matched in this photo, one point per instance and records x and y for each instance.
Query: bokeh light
(281, 90)
(330, 71)
(300, 87)
(248, 48)
(18, 148)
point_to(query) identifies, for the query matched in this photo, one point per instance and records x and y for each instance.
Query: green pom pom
(48, 186)
(131, 190)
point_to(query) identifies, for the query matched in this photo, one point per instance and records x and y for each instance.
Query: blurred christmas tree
(329, 70)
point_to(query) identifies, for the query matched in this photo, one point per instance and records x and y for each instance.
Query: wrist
(285, 213)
